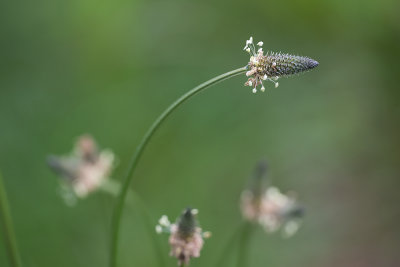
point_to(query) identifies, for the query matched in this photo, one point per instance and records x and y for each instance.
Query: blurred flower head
(272, 66)
(84, 170)
(270, 208)
(186, 237)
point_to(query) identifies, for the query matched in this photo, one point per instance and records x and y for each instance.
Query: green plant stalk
(112, 187)
(230, 244)
(244, 245)
(7, 227)
(116, 219)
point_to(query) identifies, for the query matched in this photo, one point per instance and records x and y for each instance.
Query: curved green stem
(111, 187)
(244, 246)
(7, 226)
(116, 219)
(230, 244)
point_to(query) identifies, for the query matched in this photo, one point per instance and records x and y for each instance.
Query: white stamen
(262, 88)
(291, 228)
(194, 211)
(250, 83)
(249, 42)
(276, 84)
(254, 90)
(206, 234)
(164, 221)
(260, 50)
(260, 43)
(158, 229)
(248, 50)
(265, 77)
(254, 60)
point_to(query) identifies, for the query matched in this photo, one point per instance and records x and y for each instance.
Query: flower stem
(111, 187)
(229, 245)
(116, 219)
(244, 246)
(7, 227)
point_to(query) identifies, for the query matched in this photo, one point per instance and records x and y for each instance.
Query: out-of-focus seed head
(269, 207)
(86, 148)
(84, 171)
(258, 181)
(186, 237)
(272, 66)
(187, 223)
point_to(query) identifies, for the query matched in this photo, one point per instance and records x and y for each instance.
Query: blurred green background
(108, 68)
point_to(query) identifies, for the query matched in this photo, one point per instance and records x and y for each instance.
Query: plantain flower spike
(186, 237)
(272, 66)
(267, 206)
(84, 171)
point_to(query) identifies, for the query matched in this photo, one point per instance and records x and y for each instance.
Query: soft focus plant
(264, 205)
(267, 206)
(260, 67)
(186, 237)
(7, 228)
(84, 171)
(88, 169)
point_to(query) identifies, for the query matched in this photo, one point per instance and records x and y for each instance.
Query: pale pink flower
(86, 169)
(185, 248)
(269, 207)
(186, 238)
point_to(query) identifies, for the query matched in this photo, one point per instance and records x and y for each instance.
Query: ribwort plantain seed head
(187, 222)
(186, 237)
(270, 208)
(84, 171)
(272, 66)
